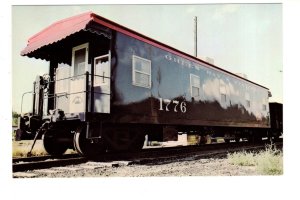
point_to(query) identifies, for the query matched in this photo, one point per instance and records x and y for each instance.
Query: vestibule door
(78, 87)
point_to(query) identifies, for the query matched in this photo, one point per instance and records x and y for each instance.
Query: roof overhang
(61, 30)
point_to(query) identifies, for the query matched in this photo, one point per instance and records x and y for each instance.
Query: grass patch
(266, 162)
(23, 152)
(270, 162)
(21, 148)
(242, 158)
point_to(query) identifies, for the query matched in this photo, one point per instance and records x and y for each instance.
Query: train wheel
(208, 139)
(87, 147)
(205, 139)
(227, 140)
(275, 138)
(254, 139)
(138, 143)
(53, 144)
(124, 139)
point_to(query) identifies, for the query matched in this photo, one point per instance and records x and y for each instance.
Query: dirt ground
(202, 167)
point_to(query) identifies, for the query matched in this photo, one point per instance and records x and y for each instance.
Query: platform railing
(88, 89)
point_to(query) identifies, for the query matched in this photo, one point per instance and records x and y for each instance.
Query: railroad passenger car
(109, 86)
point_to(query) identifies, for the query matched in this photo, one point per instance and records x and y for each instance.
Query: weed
(242, 158)
(21, 148)
(270, 161)
(266, 162)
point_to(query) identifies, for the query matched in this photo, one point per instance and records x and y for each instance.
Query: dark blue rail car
(178, 90)
(109, 86)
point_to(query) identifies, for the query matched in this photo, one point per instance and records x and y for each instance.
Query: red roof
(57, 31)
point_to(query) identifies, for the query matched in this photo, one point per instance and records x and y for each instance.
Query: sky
(240, 38)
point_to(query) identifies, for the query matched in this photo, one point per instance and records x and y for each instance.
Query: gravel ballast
(186, 167)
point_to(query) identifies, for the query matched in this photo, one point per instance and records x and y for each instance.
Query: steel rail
(43, 158)
(25, 166)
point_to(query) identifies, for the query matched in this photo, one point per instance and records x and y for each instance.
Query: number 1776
(165, 104)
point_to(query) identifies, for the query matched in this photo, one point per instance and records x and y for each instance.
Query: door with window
(102, 84)
(78, 87)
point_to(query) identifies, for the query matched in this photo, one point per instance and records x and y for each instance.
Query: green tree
(15, 116)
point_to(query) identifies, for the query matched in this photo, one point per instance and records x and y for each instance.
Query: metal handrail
(22, 100)
(89, 84)
(101, 76)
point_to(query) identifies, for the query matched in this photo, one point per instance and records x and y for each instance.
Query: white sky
(241, 38)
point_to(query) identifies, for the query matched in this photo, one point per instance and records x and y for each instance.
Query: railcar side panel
(181, 91)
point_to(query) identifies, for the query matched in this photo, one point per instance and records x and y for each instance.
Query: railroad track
(43, 158)
(146, 156)
(42, 162)
(198, 152)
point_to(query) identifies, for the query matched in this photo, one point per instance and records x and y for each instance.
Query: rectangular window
(223, 98)
(62, 78)
(223, 93)
(248, 103)
(264, 104)
(247, 97)
(195, 85)
(79, 59)
(141, 72)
